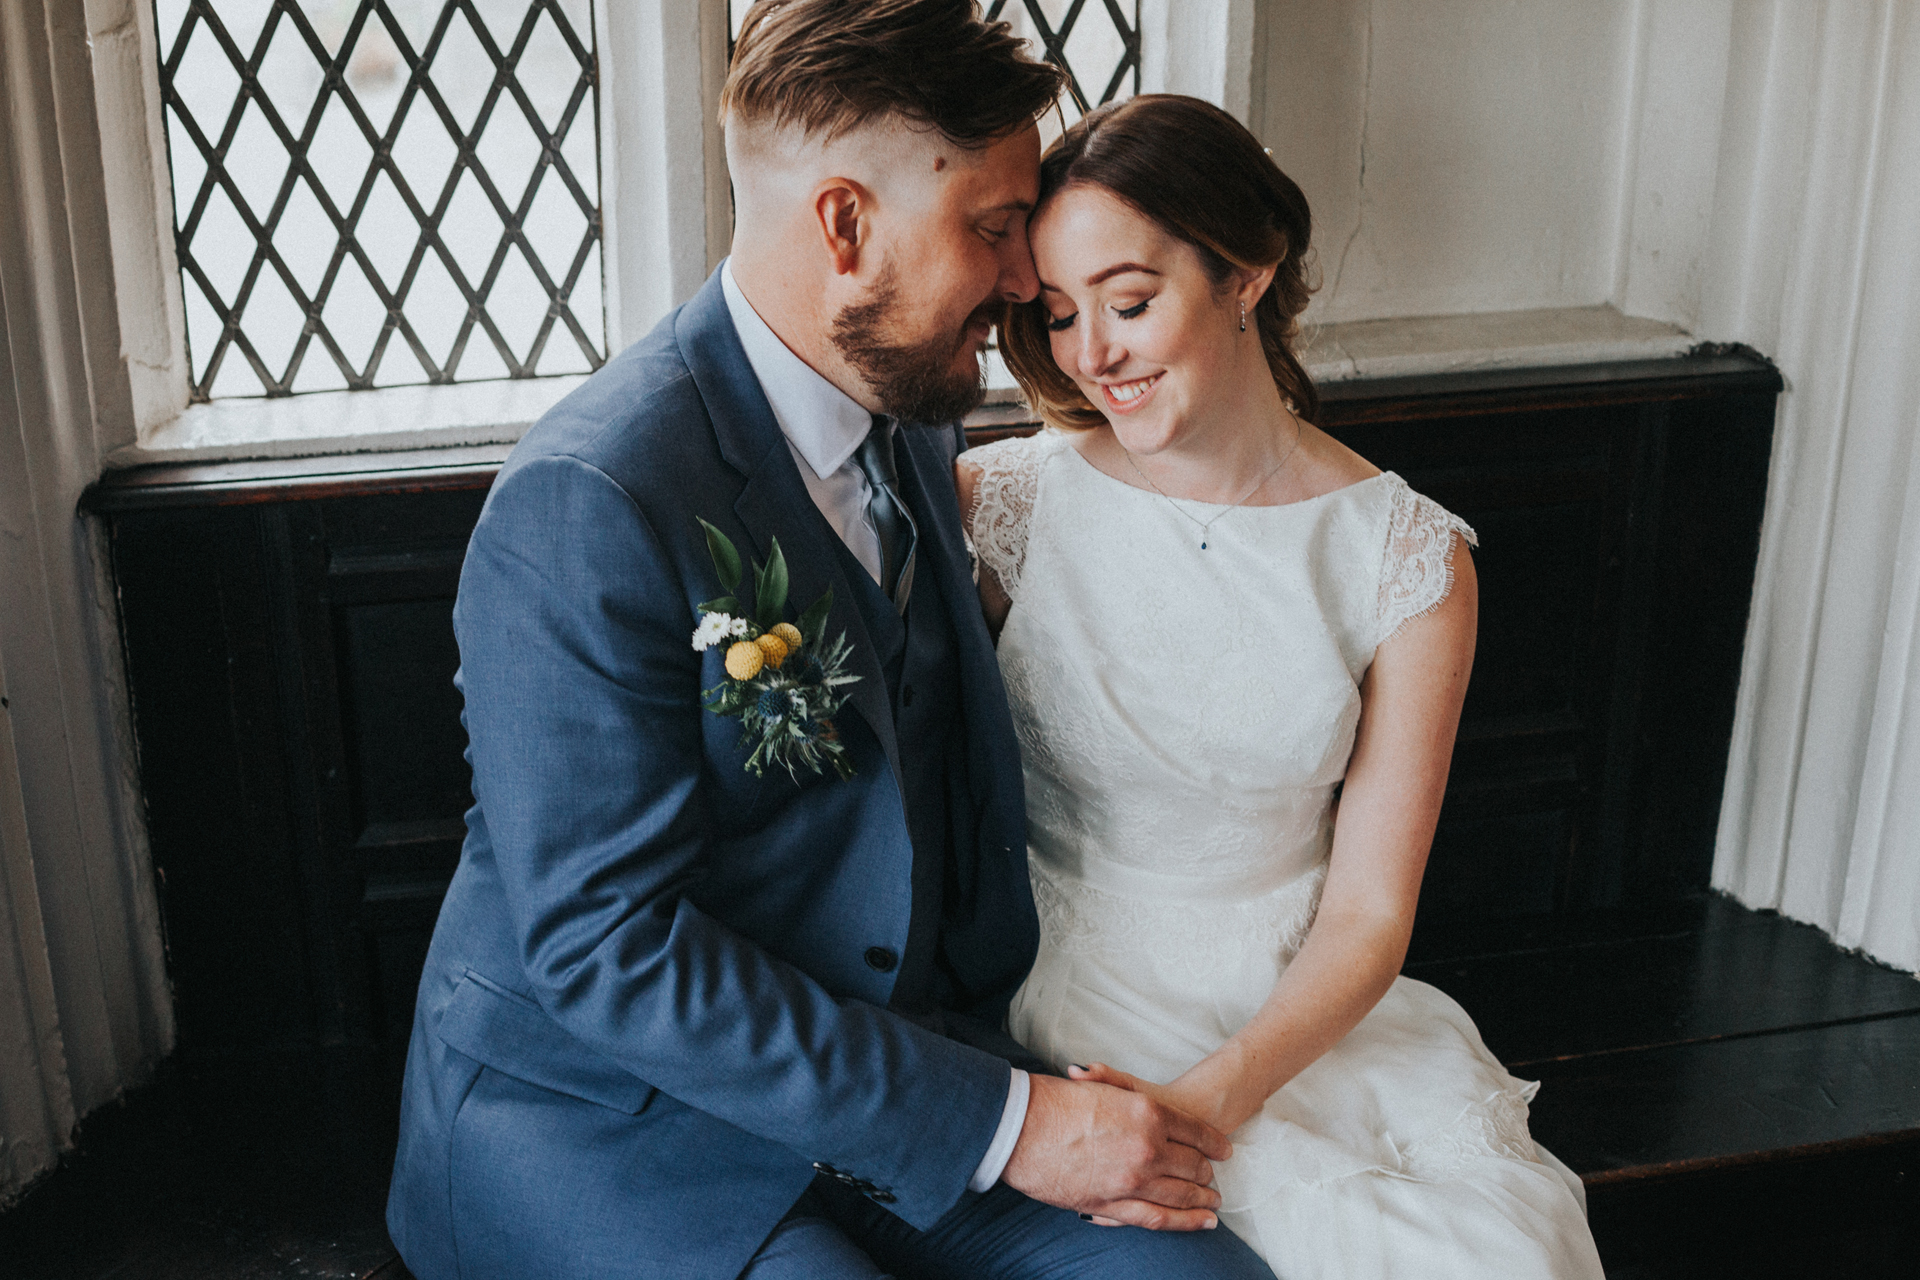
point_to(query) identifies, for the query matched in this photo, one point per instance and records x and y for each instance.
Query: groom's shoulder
(639, 420)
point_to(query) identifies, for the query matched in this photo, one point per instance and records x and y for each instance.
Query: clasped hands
(1101, 1144)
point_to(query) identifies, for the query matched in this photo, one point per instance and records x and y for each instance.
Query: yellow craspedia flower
(788, 632)
(744, 659)
(775, 647)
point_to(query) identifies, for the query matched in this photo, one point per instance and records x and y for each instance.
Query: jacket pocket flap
(515, 1037)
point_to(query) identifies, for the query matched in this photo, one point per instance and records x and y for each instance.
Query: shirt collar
(823, 423)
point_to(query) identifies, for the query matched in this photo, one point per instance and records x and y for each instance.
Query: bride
(1221, 630)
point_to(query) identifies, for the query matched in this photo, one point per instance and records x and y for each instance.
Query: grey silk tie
(891, 519)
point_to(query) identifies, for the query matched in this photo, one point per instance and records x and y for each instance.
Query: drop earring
(1243, 317)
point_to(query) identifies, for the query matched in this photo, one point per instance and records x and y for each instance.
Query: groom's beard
(913, 383)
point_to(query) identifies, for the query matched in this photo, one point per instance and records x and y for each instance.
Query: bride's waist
(1206, 884)
(1131, 910)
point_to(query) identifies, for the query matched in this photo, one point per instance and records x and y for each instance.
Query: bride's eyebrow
(1119, 268)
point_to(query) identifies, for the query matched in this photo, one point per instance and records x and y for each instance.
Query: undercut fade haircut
(830, 66)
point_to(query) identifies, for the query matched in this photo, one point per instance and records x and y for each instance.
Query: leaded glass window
(372, 193)
(1097, 42)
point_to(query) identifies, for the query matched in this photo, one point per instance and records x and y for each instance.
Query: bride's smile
(1125, 397)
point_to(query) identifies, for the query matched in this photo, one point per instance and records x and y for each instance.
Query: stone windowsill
(1356, 349)
(482, 413)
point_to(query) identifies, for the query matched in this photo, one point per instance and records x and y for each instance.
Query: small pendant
(1203, 546)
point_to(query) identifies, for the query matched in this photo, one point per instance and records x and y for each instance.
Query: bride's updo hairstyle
(1199, 174)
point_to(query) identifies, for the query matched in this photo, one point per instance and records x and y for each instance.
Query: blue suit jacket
(647, 1010)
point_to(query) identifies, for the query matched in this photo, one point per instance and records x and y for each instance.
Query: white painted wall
(1459, 157)
(1206, 48)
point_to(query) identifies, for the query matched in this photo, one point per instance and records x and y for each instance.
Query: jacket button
(881, 958)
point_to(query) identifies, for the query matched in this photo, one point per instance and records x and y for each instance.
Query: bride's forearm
(1341, 972)
(1395, 782)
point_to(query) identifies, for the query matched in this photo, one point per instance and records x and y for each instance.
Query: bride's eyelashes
(1134, 312)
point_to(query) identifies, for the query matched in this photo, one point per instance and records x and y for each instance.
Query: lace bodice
(1416, 570)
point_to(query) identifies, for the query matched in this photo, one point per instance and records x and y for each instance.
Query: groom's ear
(843, 208)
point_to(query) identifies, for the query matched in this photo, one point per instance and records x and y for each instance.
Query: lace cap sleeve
(1416, 571)
(1007, 480)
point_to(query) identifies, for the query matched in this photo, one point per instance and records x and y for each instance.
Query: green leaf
(815, 618)
(770, 593)
(725, 604)
(726, 561)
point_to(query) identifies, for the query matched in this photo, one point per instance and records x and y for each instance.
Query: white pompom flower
(716, 627)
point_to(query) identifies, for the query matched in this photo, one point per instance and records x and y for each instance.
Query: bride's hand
(1101, 1073)
(1182, 1095)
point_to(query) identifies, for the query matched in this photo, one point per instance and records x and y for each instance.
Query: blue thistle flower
(806, 669)
(775, 703)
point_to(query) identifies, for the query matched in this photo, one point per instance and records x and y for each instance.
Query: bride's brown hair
(1198, 173)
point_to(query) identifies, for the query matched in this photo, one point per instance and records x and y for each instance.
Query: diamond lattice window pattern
(1097, 42)
(371, 193)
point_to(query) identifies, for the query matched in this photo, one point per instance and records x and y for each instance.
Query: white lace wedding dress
(1184, 717)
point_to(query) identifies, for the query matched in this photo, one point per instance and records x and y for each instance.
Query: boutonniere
(783, 680)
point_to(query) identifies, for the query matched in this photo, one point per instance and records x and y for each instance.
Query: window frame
(666, 206)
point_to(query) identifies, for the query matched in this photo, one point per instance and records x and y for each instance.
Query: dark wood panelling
(203, 650)
(291, 656)
(1619, 521)
(292, 668)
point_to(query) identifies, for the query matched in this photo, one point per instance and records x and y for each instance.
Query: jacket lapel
(774, 501)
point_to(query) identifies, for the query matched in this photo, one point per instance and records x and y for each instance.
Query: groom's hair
(829, 66)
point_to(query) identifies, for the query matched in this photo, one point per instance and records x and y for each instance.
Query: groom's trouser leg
(809, 1245)
(1002, 1235)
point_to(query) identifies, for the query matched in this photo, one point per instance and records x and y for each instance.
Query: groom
(678, 1020)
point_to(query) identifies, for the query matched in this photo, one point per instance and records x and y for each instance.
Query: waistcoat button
(881, 958)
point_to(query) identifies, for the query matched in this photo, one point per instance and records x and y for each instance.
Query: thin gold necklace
(1206, 525)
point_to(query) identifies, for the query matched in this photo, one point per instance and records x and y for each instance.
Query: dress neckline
(1081, 458)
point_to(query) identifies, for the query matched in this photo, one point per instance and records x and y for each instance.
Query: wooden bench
(1740, 1096)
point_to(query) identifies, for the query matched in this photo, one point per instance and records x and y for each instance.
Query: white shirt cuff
(1000, 1150)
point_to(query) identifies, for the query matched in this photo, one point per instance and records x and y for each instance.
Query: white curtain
(1814, 258)
(84, 1011)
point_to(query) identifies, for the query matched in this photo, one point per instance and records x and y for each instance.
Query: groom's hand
(1111, 1154)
